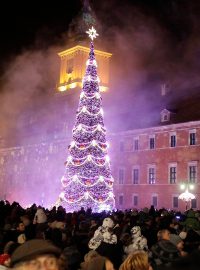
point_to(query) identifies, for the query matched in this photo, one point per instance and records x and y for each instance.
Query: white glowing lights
(97, 95)
(79, 127)
(101, 179)
(75, 178)
(86, 195)
(89, 157)
(84, 109)
(91, 62)
(99, 127)
(73, 144)
(99, 162)
(94, 143)
(62, 195)
(107, 158)
(89, 130)
(69, 159)
(186, 196)
(84, 95)
(92, 33)
(110, 194)
(88, 181)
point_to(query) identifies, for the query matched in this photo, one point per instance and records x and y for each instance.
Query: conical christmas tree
(87, 181)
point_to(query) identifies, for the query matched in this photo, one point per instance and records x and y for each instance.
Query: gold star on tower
(92, 33)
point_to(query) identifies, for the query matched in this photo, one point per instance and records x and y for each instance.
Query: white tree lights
(87, 181)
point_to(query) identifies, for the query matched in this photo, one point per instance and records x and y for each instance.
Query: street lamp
(186, 196)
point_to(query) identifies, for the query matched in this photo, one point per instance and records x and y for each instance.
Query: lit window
(151, 175)
(70, 64)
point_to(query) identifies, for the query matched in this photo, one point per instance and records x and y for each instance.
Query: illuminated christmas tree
(87, 181)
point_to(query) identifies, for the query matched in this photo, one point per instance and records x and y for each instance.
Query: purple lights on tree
(88, 181)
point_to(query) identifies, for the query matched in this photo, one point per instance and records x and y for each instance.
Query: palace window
(135, 200)
(121, 176)
(121, 199)
(172, 173)
(70, 65)
(135, 176)
(151, 174)
(152, 142)
(136, 144)
(175, 202)
(155, 200)
(192, 172)
(194, 203)
(192, 137)
(173, 140)
(121, 146)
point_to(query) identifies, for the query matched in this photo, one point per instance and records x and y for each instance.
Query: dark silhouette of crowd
(131, 239)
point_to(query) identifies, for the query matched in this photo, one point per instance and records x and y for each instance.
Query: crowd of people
(146, 239)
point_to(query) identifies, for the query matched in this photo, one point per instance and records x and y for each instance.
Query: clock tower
(73, 59)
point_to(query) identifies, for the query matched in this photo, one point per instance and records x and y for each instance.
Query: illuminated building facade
(149, 163)
(72, 68)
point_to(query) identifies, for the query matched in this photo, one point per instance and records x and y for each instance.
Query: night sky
(152, 41)
(43, 23)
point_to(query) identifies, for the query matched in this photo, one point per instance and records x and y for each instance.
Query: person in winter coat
(105, 243)
(103, 234)
(139, 242)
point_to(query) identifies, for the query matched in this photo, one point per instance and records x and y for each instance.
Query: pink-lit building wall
(151, 183)
(31, 174)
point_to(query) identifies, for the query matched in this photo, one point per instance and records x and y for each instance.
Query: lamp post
(186, 196)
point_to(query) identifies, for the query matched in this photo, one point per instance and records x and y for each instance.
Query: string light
(88, 181)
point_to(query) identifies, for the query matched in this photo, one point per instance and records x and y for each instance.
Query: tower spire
(84, 20)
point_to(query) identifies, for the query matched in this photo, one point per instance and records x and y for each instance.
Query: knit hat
(175, 239)
(32, 248)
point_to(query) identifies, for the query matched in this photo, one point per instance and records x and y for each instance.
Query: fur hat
(32, 248)
(108, 223)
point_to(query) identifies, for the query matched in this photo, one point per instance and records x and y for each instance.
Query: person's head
(100, 263)
(35, 254)
(136, 231)
(108, 223)
(138, 260)
(20, 226)
(163, 234)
